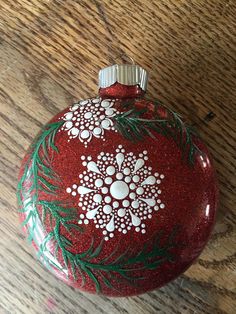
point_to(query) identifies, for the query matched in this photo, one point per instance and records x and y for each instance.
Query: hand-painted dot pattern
(89, 118)
(118, 192)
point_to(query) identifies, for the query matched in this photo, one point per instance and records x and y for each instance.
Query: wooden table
(50, 53)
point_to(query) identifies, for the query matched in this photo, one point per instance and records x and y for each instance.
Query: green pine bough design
(133, 126)
(39, 176)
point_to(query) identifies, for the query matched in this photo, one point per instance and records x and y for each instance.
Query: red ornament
(117, 194)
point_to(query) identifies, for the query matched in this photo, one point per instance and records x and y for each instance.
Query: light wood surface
(50, 53)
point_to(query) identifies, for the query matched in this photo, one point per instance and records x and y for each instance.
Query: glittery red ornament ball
(117, 195)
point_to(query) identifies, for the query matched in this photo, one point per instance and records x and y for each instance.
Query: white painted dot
(68, 116)
(105, 124)
(127, 179)
(121, 212)
(137, 229)
(122, 226)
(74, 108)
(68, 125)
(156, 208)
(162, 176)
(73, 193)
(109, 111)
(81, 216)
(68, 190)
(98, 183)
(84, 134)
(86, 221)
(111, 235)
(95, 100)
(136, 178)
(104, 190)
(126, 171)
(107, 199)
(140, 190)
(74, 131)
(135, 204)
(88, 115)
(119, 190)
(132, 195)
(97, 198)
(143, 231)
(125, 203)
(132, 186)
(97, 130)
(104, 232)
(162, 206)
(149, 216)
(124, 231)
(106, 238)
(105, 103)
(110, 170)
(84, 102)
(143, 225)
(108, 180)
(107, 209)
(119, 176)
(115, 204)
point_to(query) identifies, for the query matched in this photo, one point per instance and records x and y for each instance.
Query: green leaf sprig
(133, 126)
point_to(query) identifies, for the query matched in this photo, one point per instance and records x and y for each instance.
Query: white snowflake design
(118, 192)
(89, 118)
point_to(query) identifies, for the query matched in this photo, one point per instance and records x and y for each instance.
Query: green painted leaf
(134, 127)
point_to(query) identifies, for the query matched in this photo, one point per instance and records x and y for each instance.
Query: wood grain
(50, 53)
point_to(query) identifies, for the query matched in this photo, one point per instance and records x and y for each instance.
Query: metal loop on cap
(124, 55)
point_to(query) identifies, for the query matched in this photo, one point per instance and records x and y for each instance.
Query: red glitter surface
(188, 192)
(121, 91)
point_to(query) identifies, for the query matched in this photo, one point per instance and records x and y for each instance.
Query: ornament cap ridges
(126, 74)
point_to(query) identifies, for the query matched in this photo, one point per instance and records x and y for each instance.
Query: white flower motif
(118, 192)
(89, 118)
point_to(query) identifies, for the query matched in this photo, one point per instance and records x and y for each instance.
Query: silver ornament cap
(126, 74)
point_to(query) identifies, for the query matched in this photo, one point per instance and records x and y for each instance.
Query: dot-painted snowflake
(89, 118)
(118, 192)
